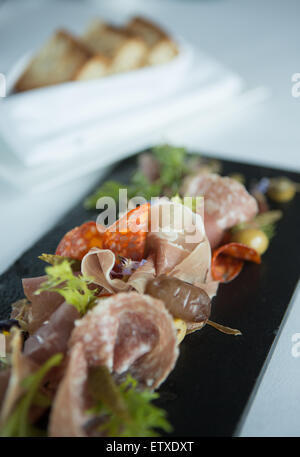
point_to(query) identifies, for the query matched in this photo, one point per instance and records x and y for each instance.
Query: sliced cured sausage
(183, 300)
(78, 241)
(228, 260)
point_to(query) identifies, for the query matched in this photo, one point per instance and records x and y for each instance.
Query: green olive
(254, 238)
(281, 190)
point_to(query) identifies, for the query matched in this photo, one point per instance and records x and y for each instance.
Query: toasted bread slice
(161, 47)
(124, 50)
(58, 61)
(96, 67)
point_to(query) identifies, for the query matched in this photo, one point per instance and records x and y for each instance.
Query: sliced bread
(161, 48)
(96, 67)
(124, 49)
(58, 61)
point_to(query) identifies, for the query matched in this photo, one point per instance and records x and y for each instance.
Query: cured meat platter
(208, 391)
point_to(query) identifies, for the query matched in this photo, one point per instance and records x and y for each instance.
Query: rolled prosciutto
(175, 244)
(127, 333)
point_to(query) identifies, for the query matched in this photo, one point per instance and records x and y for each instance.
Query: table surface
(260, 41)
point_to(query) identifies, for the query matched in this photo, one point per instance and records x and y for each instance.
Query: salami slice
(228, 261)
(127, 236)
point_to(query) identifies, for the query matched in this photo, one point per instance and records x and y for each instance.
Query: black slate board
(208, 391)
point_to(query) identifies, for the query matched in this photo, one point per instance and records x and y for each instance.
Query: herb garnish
(172, 169)
(127, 411)
(54, 259)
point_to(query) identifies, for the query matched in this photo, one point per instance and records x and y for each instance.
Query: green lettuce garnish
(108, 189)
(172, 166)
(142, 187)
(74, 288)
(54, 259)
(127, 411)
(18, 423)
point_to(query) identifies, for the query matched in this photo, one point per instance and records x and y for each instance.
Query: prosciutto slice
(175, 245)
(139, 279)
(67, 414)
(99, 264)
(180, 246)
(128, 333)
(53, 335)
(226, 203)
